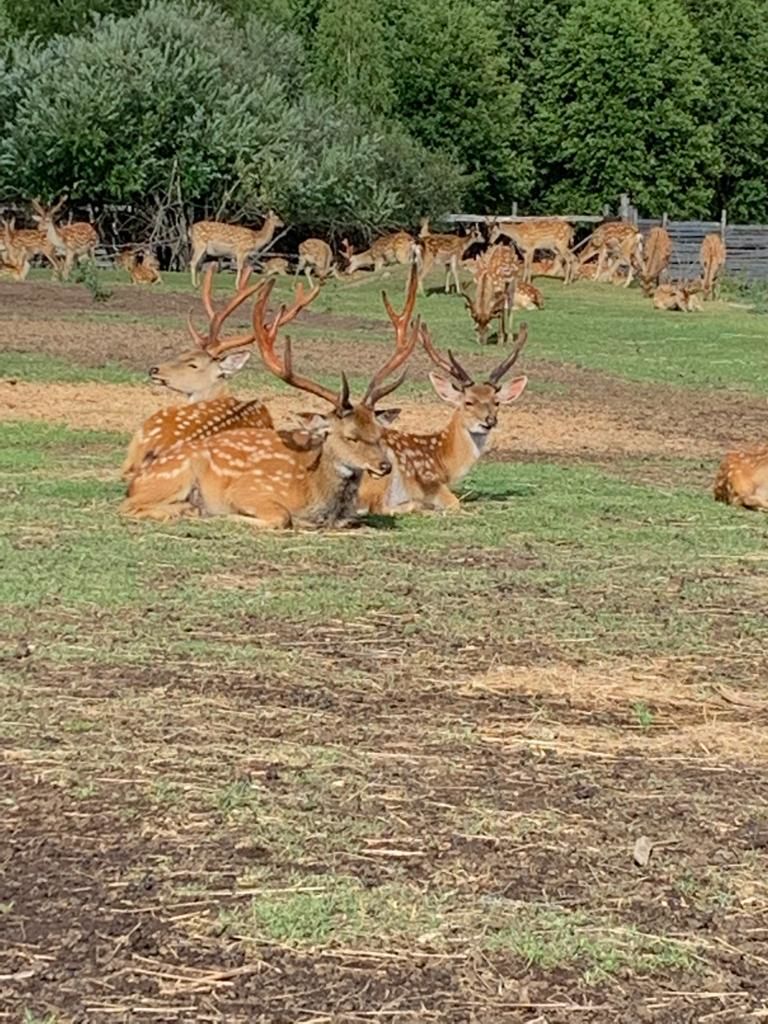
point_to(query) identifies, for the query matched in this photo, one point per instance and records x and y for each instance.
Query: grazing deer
(14, 258)
(743, 479)
(277, 266)
(216, 238)
(427, 466)
(140, 265)
(445, 250)
(657, 252)
(252, 473)
(398, 247)
(530, 236)
(201, 375)
(616, 244)
(75, 240)
(315, 254)
(712, 255)
(677, 295)
(552, 267)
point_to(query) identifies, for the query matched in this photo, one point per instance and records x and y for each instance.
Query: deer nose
(153, 371)
(491, 421)
(385, 467)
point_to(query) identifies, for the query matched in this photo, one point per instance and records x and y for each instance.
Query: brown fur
(531, 236)
(742, 479)
(216, 238)
(712, 256)
(657, 252)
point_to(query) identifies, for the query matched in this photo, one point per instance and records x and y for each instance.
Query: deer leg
(454, 266)
(308, 274)
(443, 499)
(194, 265)
(249, 502)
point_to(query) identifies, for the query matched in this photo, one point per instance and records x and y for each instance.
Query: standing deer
(398, 247)
(315, 254)
(76, 240)
(530, 236)
(252, 473)
(33, 242)
(743, 479)
(657, 252)
(427, 466)
(615, 244)
(497, 292)
(712, 255)
(215, 238)
(14, 258)
(445, 250)
(201, 375)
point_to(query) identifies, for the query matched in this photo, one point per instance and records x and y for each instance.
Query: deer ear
(230, 364)
(445, 389)
(511, 390)
(386, 416)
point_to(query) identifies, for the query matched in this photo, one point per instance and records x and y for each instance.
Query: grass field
(394, 774)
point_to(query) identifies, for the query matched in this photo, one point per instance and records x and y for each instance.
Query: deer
(33, 242)
(529, 236)
(657, 252)
(14, 258)
(316, 254)
(76, 240)
(397, 247)
(427, 466)
(712, 256)
(140, 265)
(253, 474)
(677, 295)
(447, 250)
(277, 266)
(216, 238)
(615, 244)
(742, 479)
(201, 376)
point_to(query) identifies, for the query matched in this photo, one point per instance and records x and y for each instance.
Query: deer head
(477, 404)
(353, 439)
(489, 303)
(199, 372)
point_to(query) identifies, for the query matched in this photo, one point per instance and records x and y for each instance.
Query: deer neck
(54, 237)
(218, 390)
(331, 489)
(265, 234)
(459, 448)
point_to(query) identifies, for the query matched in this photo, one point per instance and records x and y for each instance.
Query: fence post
(624, 206)
(514, 208)
(723, 223)
(664, 219)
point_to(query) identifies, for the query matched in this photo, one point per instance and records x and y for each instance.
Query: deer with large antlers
(743, 479)
(76, 240)
(428, 466)
(201, 375)
(532, 236)
(712, 255)
(216, 238)
(252, 473)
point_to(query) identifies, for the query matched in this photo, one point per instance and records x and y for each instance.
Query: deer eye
(469, 402)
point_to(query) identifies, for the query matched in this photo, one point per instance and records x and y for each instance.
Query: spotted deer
(77, 240)
(140, 265)
(677, 295)
(397, 247)
(14, 258)
(216, 238)
(446, 251)
(201, 375)
(277, 266)
(317, 255)
(497, 291)
(428, 466)
(712, 256)
(34, 243)
(532, 236)
(615, 244)
(657, 252)
(742, 479)
(253, 474)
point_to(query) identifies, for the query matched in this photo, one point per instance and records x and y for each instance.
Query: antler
(451, 365)
(57, 206)
(520, 339)
(406, 336)
(266, 338)
(213, 344)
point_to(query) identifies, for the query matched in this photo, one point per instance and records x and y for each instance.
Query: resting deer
(215, 238)
(427, 466)
(252, 473)
(14, 259)
(615, 244)
(398, 247)
(743, 479)
(530, 236)
(201, 375)
(657, 252)
(677, 296)
(446, 251)
(277, 266)
(140, 265)
(317, 255)
(76, 240)
(712, 255)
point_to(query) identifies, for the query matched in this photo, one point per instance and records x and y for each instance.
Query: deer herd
(219, 455)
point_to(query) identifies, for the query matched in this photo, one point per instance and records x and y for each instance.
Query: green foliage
(623, 107)
(88, 275)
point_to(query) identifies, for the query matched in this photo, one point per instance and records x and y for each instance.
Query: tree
(65, 17)
(735, 38)
(623, 108)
